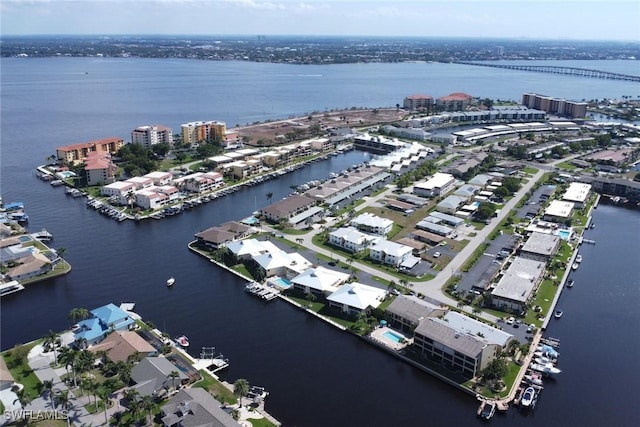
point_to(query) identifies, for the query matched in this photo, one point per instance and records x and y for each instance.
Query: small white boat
(570, 283)
(171, 281)
(528, 397)
(575, 266)
(487, 410)
(558, 314)
(548, 369)
(183, 341)
(533, 379)
(10, 288)
(579, 258)
(542, 360)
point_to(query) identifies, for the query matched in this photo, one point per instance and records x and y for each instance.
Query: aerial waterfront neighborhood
(333, 254)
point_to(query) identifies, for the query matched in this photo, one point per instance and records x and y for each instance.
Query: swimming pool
(564, 234)
(24, 239)
(281, 282)
(393, 336)
(65, 174)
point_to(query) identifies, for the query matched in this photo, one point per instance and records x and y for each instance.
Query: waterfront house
(350, 239)
(287, 208)
(104, 320)
(558, 211)
(99, 169)
(459, 342)
(319, 281)
(577, 193)
(117, 189)
(152, 376)
(388, 252)
(30, 266)
(355, 298)
(540, 247)
(120, 345)
(247, 249)
(216, 237)
(149, 199)
(518, 284)
(195, 406)
(370, 223)
(280, 263)
(78, 153)
(140, 182)
(407, 311)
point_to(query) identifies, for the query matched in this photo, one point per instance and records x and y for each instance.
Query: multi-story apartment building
(195, 132)
(100, 169)
(457, 101)
(77, 153)
(559, 106)
(151, 135)
(416, 102)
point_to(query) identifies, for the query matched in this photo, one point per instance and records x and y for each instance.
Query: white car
(511, 320)
(436, 254)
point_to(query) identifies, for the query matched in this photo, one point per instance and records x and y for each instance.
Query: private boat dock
(211, 361)
(262, 291)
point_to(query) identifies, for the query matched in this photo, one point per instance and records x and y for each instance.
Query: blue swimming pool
(564, 234)
(66, 174)
(282, 282)
(392, 336)
(24, 239)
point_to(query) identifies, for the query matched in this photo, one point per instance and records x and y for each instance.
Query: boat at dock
(487, 410)
(528, 397)
(575, 266)
(10, 288)
(570, 283)
(170, 281)
(558, 314)
(579, 258)
(43, 235)
(183, 341)
(547, 369)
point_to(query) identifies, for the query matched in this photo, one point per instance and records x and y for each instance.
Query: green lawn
(16, 360)
(260, 422)
(216, 388)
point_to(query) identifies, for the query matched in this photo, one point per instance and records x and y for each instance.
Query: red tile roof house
(457, 101)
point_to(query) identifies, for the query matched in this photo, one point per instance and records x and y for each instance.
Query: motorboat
(547, 369)
(558, 314)
(533, 379)
(575, 266)
(548, 351)
(10, 288)
(487, 410)
(528, 397)
(542, 360)
(579, 258)
(183, 341)
(570, 283)
(170, 281)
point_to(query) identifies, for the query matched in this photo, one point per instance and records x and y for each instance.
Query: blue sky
(534, 19)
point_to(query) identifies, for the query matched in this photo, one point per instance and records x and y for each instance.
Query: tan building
(457, 101)
(195, 132)
(416, 102)
(559, 106)
(100, 169)
(77, 153)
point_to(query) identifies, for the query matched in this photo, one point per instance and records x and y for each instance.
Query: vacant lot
(283, 131)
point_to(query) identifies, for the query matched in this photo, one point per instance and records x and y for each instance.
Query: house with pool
(319, 281)
(355, 298)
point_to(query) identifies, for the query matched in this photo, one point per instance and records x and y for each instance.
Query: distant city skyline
(514, 19)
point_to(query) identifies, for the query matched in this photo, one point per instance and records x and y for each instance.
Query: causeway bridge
(552, 69)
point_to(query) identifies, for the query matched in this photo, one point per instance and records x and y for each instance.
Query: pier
(552, 69)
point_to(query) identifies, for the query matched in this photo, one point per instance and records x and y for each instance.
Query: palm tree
(47, 389)
(67, 357)
(241, 389)
(77, 314)
(51, 341)
(91, 385)
(147, 405)
(104, 393)
(172, 376)
(64, 400)
(124, 371)
(269, 196)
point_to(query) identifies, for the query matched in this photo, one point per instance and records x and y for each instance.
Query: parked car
(511, 320)
(436, 254)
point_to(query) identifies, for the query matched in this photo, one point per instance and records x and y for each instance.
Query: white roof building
(559, 209)
(372, 223)
(518, 283)
(282, 263)
(248, 248)
(577, 192)
(440, 183)
(355, 297)
(388, 252)
(320, 280)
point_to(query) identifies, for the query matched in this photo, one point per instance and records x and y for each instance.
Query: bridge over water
(551, 69)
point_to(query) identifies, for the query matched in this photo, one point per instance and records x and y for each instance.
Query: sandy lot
(284, 131)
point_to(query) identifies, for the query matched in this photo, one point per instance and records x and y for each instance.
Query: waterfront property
(104, 320)
(558, 211)
(577, 193)
(195, 407)
(355, 298)
(120, 345)
(152, 376)
(319, 281)
(78, 153)
(217, 237)
(459, 342)
(148, 136)
(518, 284)
(285, 209)
(408, 311)
(540, 246)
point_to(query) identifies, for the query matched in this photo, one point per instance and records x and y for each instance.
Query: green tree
(77, 314)
(172, 376)
(104, 394)
(63, 399)
(241, 389)
(47, 390)
(51, 343)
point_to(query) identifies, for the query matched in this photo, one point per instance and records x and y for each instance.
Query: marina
(10, 288)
